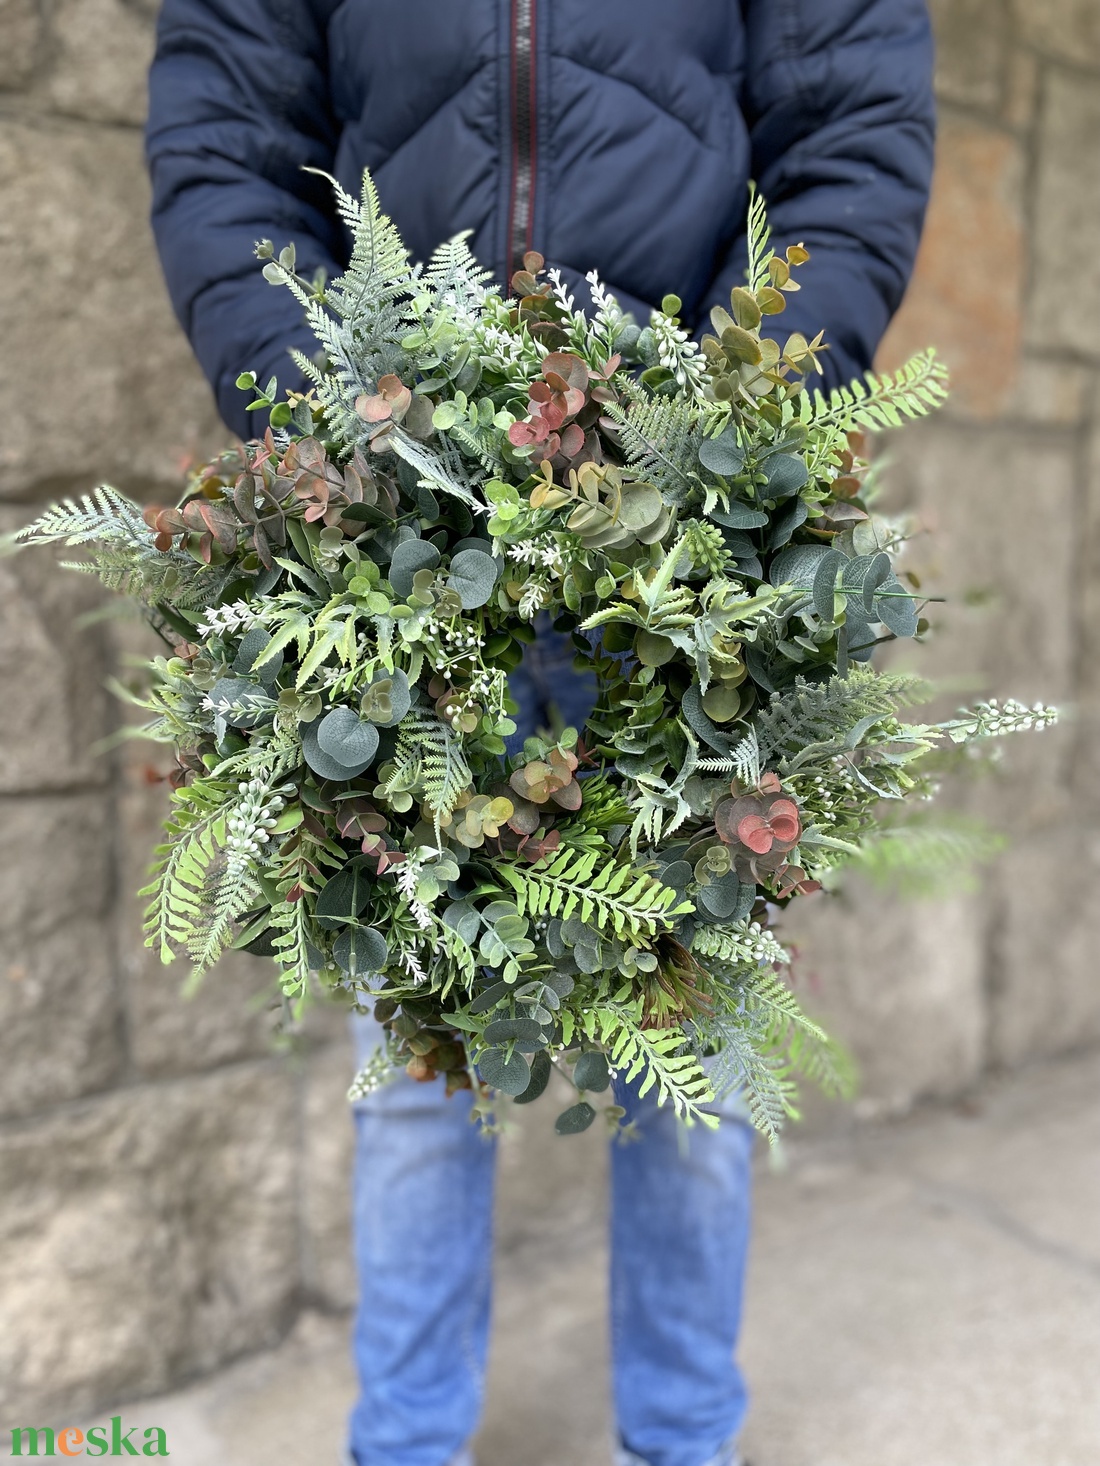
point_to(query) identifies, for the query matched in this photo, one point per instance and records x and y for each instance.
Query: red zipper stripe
(521, 196)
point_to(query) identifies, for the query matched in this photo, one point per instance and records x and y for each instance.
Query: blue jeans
(423, 1242)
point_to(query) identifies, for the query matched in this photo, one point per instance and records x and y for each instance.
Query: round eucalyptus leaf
(343, 898)
(252, 644)
(640, 507)
(463, 918)
(541, 1069)
(591, 1072)
(510, 1030)
(897, 611)
(828, 568)
(691, 706)
(722, 704)
(473, 576)
(785, 474)
(575, 1119)
(797, 565)
(722, 455)
(785, 524)
(510, 1076)
(677, 875)
(344, 737)
(561, 982)
(359, 951)
(472, 542)
(720, 899)
(322, 763)
(739, 516)
(652, 649)
(409, 557)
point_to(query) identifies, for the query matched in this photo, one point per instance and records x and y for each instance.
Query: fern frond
(617, 895)
(659, 1057)
(817, 720)
(743, 762)
(924, 859)
(759, 235)
(195, 833)
(881, 401)
(441, 468)
(660, 437)
(429, 763)
(104, 516)
(232, 893)
(763, 1079)
(454, 279)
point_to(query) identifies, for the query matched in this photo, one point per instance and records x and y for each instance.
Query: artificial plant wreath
(343, 601)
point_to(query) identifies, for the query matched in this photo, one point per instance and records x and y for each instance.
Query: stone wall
(172, 1188)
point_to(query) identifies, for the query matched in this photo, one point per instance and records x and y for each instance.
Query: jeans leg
(423, 1242)
(680, 1214)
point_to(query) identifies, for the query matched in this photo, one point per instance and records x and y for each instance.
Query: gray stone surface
(1044, 974)
(1066, 29)
(21, 27)
(970, 50)
(55, 707)
(78, 271)
(920, 1294)
(101, 55)
(59, 1010)
(993, 507)
(900, 983)
(328, 1274)
(1065, 305)
(158, 1225)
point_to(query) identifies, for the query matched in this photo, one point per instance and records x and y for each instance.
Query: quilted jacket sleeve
(838, 99)
(239, 104)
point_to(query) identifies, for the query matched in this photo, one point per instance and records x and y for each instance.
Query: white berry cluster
(249, 827)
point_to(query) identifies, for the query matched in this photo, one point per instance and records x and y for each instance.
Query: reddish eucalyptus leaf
(565, 364)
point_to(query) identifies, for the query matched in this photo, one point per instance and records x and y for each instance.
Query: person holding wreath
(622, 137)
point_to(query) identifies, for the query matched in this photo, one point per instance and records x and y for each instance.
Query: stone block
(999, 513)
(1086, 763)
(966, 294)
(52, 670)
(1066, 29)
(328, 1146)
(148, 1236)
(1064, 305)
(996, 511)
(970, 47)
(1021, 90)
(1045, 980)
(21, 27)
(80, 286)
(900, 985)
(59, 1005)
(1052, 392)
(101, 50)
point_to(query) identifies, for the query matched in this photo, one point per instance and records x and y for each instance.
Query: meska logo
(42, 1441)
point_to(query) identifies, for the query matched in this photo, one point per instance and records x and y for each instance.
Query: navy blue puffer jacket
(619, 134)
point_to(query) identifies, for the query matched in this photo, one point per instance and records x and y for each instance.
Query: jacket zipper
(521, 206)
